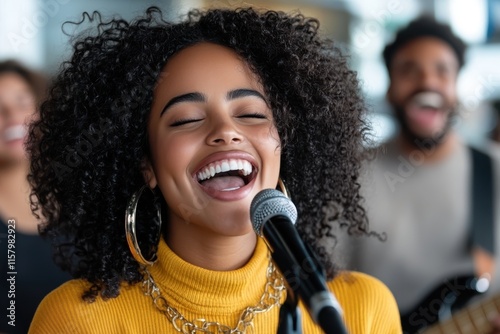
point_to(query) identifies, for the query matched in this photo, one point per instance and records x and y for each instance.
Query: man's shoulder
(493, 150)
(490, 150)
(384, 153)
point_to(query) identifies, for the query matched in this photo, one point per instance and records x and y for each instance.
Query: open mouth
(427, 109)
(226, 175)
(15, 132)
(427, 100)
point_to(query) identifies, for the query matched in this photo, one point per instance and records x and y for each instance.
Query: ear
(148, 173)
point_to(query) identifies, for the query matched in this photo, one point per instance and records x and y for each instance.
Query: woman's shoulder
(361, 288)
(368, 305)
(63, 303)
(68, 293)
(65, 311)
(358, 280)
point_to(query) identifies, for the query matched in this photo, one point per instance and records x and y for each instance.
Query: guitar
(471, 320)
(433, 314)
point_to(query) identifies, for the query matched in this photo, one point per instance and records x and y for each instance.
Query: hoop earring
(282, 188)
(130, 231)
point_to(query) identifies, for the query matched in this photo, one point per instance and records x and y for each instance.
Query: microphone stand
(290, 321)
(329, 319)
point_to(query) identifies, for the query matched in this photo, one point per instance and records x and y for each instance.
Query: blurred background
(32, 32)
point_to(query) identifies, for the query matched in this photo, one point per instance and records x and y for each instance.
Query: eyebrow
(189, 97)
(199, 97)
(239, 93)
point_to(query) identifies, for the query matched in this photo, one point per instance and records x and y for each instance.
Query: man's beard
(430, 141)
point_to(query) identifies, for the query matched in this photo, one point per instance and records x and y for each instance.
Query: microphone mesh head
(269, 203)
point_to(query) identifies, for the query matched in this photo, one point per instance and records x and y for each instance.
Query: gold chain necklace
(274, 291)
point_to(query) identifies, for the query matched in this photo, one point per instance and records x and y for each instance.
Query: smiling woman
(215, 115)
(27, 271)
(238, 99)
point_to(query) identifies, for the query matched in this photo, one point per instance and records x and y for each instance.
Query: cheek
(173, 154)
(272, 148)
(171, 160)
(270, 141)
(401, 90)
(18, 116)
(451, 92)
(272, 133)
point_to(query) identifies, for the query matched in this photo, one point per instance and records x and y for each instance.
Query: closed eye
(253, 115)
(184, 121)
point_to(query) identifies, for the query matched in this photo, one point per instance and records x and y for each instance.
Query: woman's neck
(12, 173)
(208, 250)
(14, 197)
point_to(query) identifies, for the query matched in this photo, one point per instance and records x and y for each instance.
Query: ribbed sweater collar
(206, 291)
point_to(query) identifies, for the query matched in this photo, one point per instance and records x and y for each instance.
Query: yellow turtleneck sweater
(196, 293)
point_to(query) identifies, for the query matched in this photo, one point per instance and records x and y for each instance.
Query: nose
(5, 112)
(224, 132)
(429, 79)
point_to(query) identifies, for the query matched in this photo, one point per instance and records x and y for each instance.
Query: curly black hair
(89, 142)
(425, 26)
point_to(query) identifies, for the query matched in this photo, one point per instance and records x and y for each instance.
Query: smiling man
(420, 189)
(423, 64)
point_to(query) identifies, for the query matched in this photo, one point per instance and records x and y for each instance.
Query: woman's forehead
(205, 66)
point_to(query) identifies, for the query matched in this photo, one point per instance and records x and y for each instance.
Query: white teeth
(428, 99)
(247, 168)
(14, 132)
(233, 164)
(222, 166)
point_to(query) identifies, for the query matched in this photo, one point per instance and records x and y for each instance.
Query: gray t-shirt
(423, 209)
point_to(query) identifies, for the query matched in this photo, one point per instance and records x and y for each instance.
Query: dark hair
(424, 27)
(35, 80)
(89, 142)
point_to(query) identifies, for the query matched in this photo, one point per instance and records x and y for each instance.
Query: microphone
(273, 217)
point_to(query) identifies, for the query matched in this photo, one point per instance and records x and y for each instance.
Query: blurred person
(24, 253)
(427, 192)
(202, 115)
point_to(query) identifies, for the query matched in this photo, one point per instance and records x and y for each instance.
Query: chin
(428, 134)
(13, 157)
(428, 139)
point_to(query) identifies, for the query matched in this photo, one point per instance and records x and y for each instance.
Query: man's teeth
(14, 132)
(428, 99)
(225, 166)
